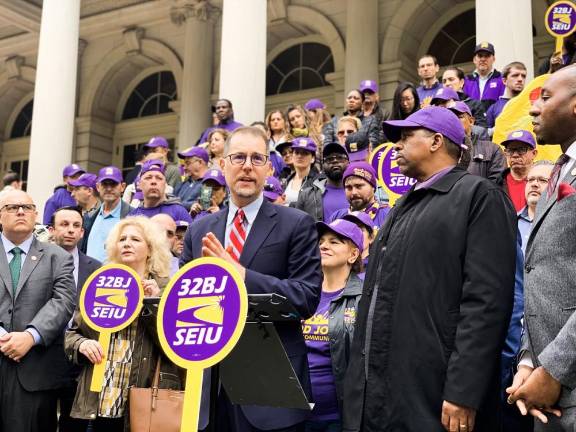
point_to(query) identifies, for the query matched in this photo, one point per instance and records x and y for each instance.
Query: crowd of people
(451, 310)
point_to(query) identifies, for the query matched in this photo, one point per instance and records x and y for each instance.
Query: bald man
(168, 225)
(37, 299)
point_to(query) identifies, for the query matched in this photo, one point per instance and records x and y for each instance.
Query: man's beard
(335, 176)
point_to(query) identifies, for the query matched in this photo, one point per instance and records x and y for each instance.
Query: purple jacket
(495, 110)
(492, 91)
(61, 198)
(230, 126)
(174, 209)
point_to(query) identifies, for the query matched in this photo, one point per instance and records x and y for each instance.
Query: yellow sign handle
(192, 397)
(98, 371)
(559, 44)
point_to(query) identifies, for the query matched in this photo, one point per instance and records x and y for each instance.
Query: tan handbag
(155, 409)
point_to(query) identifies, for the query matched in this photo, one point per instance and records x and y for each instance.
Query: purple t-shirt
(334, 198)
(426, 94)
(176, 210)
(495, 110)
(230, 126)
(317, 339)
(377, 212)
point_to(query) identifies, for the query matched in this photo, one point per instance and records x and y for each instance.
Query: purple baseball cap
(313, 104)
(444, 94)
(198, 152)
(110, 173)
(361, 169)
(86, 180)
(437, 119)
(368, 85)
(343, 228)
(157, 141)
(334, 147)
(73, 169)
(152, 165)
(460, 107)
(272, 188)
(214, 175)
(305, 143)
(357, 150)
(359, 217)
(520, 135)
(486, 47)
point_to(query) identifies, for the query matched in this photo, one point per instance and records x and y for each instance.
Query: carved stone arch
(16, 89)
(117, 71)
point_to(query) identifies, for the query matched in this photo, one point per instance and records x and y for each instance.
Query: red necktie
(555, 174)
(237, 235)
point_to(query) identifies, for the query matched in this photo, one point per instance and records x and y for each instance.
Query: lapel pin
(33, 257)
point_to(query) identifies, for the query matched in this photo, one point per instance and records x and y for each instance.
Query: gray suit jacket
(550, 290)
(45, 299)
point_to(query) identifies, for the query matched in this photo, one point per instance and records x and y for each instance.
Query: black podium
(258, 371)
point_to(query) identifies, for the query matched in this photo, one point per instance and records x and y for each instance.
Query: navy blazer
(281, 255)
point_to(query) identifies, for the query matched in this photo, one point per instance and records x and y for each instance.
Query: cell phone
(205, 197)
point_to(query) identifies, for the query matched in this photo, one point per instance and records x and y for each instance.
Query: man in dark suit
(36, 302)
(546, 379)
(66, 231)
(275, 249)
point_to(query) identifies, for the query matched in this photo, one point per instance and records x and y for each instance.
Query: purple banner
(111, 298)
(200, 312)
(561, 18)
(389, 172)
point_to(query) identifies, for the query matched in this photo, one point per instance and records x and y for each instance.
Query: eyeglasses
(541, 180)
(13, 208)
(519, 151)
(347, 132)
(256, 159)
(335, 159)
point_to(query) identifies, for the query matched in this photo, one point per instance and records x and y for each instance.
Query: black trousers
(21, 410)
(66, 423)
(232, 419)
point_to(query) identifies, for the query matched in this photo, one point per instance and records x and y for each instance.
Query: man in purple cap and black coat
(437, 295)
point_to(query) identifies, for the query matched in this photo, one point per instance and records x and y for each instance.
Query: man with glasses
(275, 250)
(536, 184)
(110, 185)
(326, 194)
(37, 299)
(195, 166)
(520, 151)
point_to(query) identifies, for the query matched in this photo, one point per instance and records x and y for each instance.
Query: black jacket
(342, 313)
(310, 199)
(90, 219)
(487, 160)
(441, 280)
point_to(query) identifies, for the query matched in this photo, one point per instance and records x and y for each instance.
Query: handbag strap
(156, 380)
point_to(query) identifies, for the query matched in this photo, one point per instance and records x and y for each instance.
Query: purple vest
(493, 89)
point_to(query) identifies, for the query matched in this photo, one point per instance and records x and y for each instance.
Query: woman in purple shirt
(328, 334)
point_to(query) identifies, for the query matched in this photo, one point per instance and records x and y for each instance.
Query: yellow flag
(515, 115)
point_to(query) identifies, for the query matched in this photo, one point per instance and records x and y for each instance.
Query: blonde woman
(132, 354)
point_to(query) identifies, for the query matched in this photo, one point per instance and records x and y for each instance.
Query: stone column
(361, 42)
(507, 25)
(54, 98)
(195, 115)
(243, 58)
